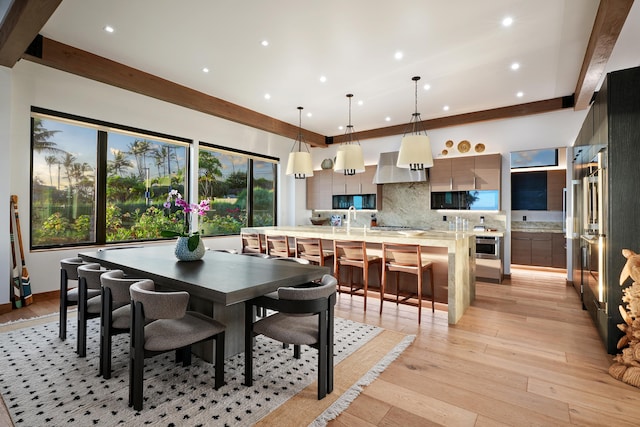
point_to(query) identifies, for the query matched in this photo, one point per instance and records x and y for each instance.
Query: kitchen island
(460, 254)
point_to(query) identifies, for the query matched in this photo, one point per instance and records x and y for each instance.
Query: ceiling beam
(606, 29)
(510, 112)
(85, 64)
(21, 24)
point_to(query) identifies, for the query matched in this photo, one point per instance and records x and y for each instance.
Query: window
(95, 182)
(240, 187)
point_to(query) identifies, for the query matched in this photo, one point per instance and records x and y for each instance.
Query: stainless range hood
(389, 173)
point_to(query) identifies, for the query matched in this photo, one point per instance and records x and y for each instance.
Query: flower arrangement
(187, 209)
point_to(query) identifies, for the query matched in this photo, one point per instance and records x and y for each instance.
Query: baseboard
(43, 296)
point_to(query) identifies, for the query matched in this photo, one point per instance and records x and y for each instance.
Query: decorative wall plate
(479, 148)
(449, 143)
(445, 152)
(464, 146)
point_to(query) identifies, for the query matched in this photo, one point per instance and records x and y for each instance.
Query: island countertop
(460, 248)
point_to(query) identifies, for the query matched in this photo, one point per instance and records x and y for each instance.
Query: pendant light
(415, 149)
(349, 159)
(299, 163)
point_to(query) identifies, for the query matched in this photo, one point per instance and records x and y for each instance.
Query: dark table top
(220, 277)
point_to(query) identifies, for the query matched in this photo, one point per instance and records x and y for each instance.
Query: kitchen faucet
(351, 209)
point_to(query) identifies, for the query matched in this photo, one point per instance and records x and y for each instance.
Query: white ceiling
(459, 47)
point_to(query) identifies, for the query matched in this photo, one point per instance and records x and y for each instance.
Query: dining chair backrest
(91, 273)
(70, 267)
(159, 305)
(118, 284)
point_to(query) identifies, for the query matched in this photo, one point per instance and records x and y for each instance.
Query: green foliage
(55, 225)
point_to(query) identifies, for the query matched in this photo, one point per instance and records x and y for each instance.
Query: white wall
(34, 85)
(5, 134)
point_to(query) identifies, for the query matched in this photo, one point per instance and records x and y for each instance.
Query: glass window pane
(63, 183)
(263, 193)
(222, 178)
(140, 173)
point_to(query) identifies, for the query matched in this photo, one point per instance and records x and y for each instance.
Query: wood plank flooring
(524, 354)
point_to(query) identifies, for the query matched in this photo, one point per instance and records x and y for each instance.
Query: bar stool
(405, 258)
(311, 249)
(252, 243)
(278, 246)
(353, 254)
(68, 297)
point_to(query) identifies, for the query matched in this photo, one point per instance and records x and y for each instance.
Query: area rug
(43, 382)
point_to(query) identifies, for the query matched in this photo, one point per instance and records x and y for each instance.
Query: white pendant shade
(415, 152)
(349, 159)
(299, 164)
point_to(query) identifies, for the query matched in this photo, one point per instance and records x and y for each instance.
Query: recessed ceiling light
(205, 70)
(515, 66)
(427, 86)
(340, 127)
(309, 114)
(323, 79)
(267, 96)
(398, 55)
(445, 108)
(387, 119)
(109, 29)
(360, 103)
(265, 43)
(520, 94)
(507, 21)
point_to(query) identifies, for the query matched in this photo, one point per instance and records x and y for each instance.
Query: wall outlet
(524, 217)
(444, 217)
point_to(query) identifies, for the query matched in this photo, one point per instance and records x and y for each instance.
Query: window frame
(103, 128)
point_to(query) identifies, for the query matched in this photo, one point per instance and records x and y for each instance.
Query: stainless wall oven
(488, 247)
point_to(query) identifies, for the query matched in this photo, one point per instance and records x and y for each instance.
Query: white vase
(184, 254)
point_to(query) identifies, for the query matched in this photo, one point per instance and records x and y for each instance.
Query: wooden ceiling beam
(513, 111)
(607, 26)
(21, 24)
(85, 64)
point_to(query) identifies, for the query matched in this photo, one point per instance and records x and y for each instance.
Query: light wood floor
(525, 354)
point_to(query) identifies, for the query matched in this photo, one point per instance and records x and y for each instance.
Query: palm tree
(51, 160)
(67, 164)
(209, 168)
(119, 163)
(42, 138)
(140, 148)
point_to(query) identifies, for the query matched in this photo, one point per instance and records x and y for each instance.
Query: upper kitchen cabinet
(488, 172)
(466, 173)
(319, 189)
(556, 181)
(360, 183)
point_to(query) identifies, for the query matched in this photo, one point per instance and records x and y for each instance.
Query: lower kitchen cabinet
(539, 249)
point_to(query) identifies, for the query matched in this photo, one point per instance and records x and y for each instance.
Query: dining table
(218, 284)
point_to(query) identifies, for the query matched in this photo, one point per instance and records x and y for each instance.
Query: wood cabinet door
(440, 175)
(488, 170)
(339, 183)
(556, 181)
(462, 173)
(541, 249)
(319, 189)
(520, 248)
(558, 251)
(366, 180)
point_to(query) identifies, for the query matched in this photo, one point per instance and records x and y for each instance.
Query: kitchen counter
(460, 248)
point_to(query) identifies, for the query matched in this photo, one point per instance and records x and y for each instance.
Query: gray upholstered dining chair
(68, 297)
(115, 315)
(304, 317)
(160, 323)
(89, 301)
